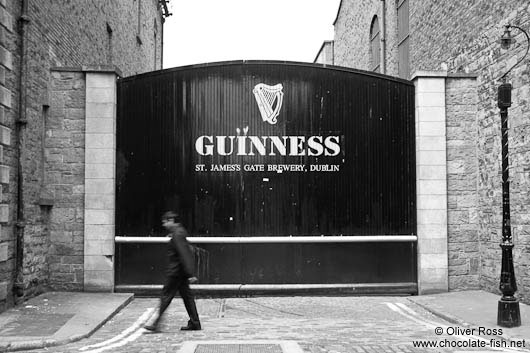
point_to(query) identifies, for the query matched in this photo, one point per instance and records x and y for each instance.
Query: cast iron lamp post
(508, 314)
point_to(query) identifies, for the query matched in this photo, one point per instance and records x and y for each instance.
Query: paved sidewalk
(57, 318)
(473, 309)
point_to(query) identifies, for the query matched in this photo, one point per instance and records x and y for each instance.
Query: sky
(201, 31)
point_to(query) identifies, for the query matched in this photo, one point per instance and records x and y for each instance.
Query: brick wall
(125, 34)
(8, 109)
(352, 32)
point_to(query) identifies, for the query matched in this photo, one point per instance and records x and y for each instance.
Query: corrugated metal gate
(194, 139)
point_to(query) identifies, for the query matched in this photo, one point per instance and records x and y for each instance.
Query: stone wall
(462, 171)
(64, 178)
(49, 106)
(439, 39)
(461, 38)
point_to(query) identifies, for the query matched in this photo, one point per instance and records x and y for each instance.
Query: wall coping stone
(89, 68)
(421, 73)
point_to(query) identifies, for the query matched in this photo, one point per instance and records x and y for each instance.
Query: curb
(50, 342)
(444, 316)
(454, 320)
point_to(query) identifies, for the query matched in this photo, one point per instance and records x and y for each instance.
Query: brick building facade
(457, 42)
(47, 49)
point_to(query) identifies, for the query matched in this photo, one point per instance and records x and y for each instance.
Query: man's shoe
(152, 328)
(191, 327)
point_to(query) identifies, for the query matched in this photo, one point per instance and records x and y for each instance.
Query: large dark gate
(284, 173)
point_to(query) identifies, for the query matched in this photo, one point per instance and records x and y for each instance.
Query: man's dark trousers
(179, 284)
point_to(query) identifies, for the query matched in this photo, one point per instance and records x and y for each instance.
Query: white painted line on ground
(135, 326)
(401, 308)
(123, 342)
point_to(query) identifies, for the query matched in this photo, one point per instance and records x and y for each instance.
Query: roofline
(267, 62)
(322, 47)
(338, 11)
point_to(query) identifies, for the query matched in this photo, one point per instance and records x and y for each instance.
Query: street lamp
(508, 314)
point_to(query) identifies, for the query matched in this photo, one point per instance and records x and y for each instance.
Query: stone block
(431, 143)
(428, 247)
(433, 260)
(98, 262)
(424, 84)
(63, 215)
(431, 128)
(6, 58)
(100, 155)
(429, 99)
(74, 114)
(103, 141)
(3, 252)
(99, 202)
(99, 232)
(100, 171)
(3, 290)
(4, 213)
(4, 174)
(59, 236)
(101, 110)
(5, 135)
(100, 186)
(99, 247)
(431, 187)
(99, 217)
(98, 281)
(6, 19)
(100, 80)
(104, 125)
(432, 172)
(431, 202)
(431, 158)
(5, 97)
(432, 217)
(100, 95)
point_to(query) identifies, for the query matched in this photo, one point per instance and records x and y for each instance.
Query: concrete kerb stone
(455, 320)
(440, 314)
(52, 342)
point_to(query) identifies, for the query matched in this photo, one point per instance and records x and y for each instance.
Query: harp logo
(269, 99)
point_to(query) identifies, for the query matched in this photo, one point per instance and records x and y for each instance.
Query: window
(403, 39)
(375, 45)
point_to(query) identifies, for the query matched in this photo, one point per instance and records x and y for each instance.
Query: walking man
(180, 272)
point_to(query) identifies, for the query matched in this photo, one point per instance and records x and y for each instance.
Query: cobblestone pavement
(317, 324)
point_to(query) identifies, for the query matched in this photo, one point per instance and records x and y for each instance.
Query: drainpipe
(161, 43)
(383, 37)
(18, 288)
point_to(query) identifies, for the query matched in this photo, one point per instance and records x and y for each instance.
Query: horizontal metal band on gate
(272, 287)
(281, 239)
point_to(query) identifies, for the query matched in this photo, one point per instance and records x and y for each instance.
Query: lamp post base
(508, 313)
